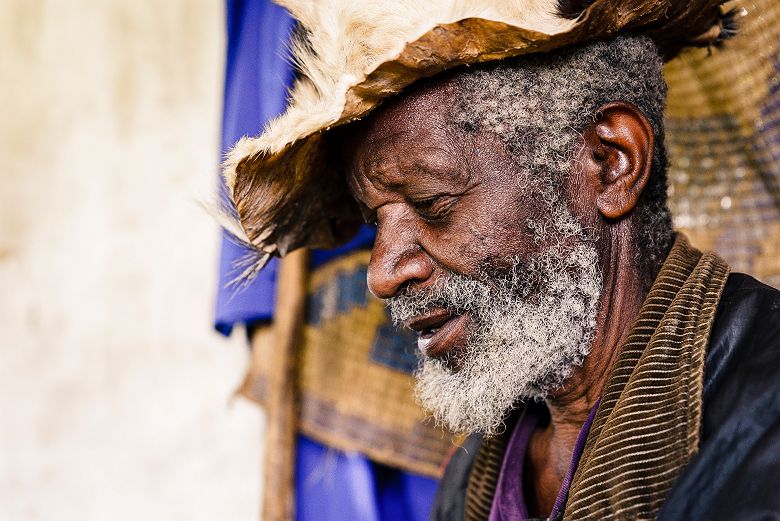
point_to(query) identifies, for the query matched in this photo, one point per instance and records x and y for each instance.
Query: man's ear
(622, 151)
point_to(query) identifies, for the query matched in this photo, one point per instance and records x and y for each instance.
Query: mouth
(440, 332)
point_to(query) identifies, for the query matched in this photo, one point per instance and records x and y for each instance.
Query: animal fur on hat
(353, 54)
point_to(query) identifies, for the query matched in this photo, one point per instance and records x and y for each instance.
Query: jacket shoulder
(740, 436)
(449, 504)
(745, 338)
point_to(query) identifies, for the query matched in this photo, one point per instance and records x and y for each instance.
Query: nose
(397, 258)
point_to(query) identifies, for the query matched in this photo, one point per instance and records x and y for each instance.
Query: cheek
(492, 230)
(499, 237)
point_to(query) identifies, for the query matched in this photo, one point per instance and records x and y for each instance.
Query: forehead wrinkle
(381, 173)
(412, 140)
(364, 186)
(394, 168)
(432, 150)
(374, 162)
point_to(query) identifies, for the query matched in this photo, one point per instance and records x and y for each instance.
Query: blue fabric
(335, 485)
(330, 485)
(256, 79)
(363, 239)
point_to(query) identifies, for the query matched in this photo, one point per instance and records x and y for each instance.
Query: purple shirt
(509, 502)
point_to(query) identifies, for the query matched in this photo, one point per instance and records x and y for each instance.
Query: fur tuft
(729, 26)
(573, 9)
(724, 27)
(249, 265)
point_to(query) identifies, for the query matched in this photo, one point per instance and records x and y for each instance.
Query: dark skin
(446, 200)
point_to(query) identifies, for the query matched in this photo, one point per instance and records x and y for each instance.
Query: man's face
(465, 256)
(443, 200)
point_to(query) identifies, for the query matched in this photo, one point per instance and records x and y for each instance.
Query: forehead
(425, 103)
(416, 130)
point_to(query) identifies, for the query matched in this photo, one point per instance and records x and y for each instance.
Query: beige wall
(115, 391)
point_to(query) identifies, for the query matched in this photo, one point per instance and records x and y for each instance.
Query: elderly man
(606, 367)
(521, 223)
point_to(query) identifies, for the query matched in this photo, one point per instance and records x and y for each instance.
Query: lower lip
(452, 335)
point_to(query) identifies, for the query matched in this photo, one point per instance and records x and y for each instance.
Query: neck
(623, 293)
(622, 296)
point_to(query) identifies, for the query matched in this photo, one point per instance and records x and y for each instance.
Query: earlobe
(623, 150)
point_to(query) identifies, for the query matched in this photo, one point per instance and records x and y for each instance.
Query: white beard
(531, 328)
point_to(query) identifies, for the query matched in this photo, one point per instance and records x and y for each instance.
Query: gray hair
(539, 104)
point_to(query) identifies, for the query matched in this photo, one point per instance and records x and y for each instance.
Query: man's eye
(433, 208)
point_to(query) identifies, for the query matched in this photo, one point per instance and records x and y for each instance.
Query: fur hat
(353, 54)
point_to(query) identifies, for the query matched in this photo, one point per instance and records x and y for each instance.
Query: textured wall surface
(115, 398)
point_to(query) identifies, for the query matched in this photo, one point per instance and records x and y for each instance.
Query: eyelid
(423, 206)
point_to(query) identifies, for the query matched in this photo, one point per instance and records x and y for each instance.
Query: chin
(466, 401)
